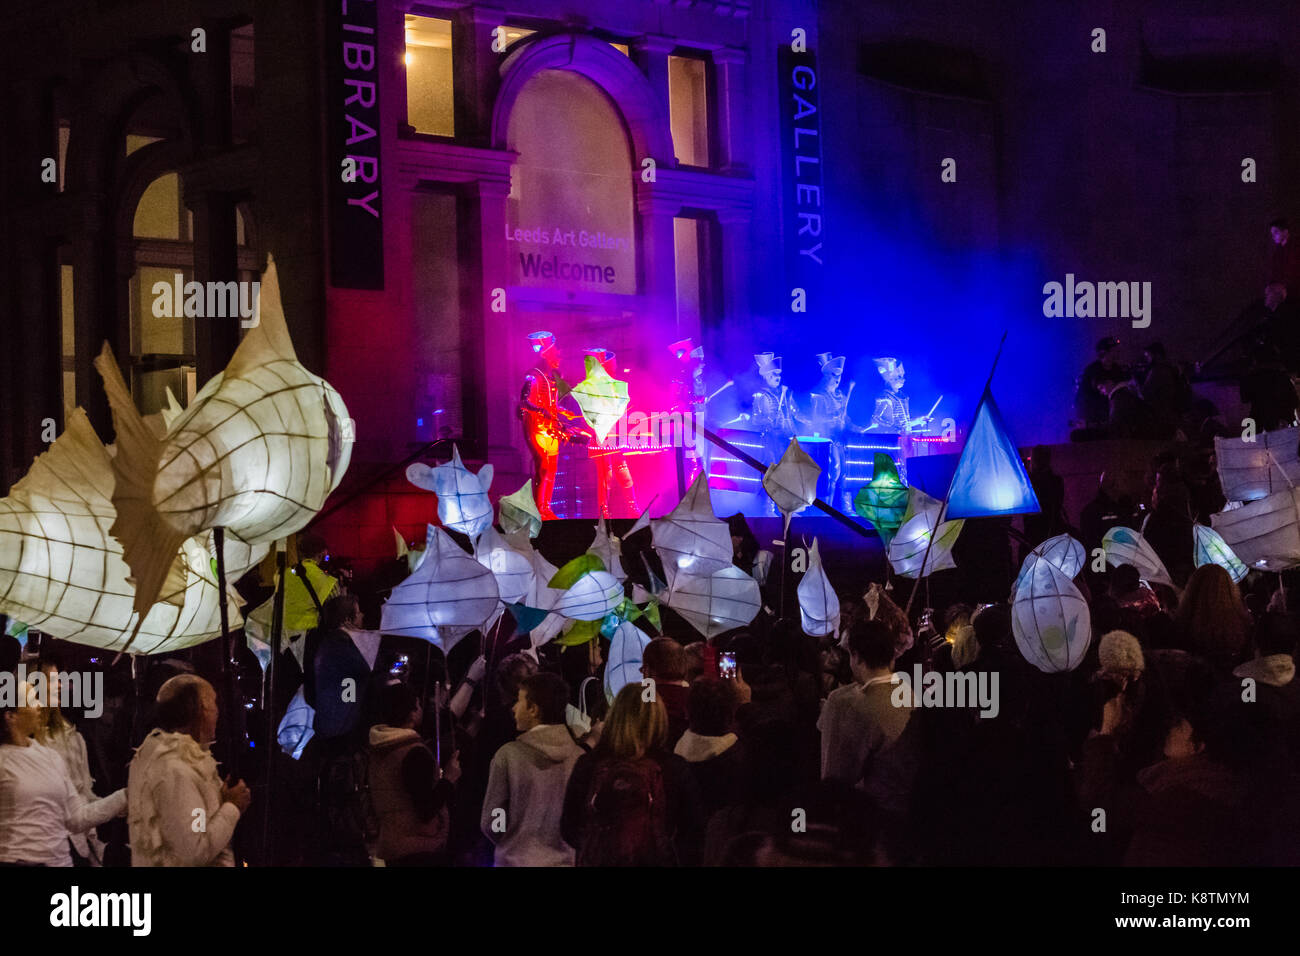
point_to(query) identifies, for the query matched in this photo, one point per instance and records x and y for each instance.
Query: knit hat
(1120, 653)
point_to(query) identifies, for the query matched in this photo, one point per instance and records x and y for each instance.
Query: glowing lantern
(512, 567)
(883, 500)
(624, 664)
(911, 544)
(463, 503)
(791, 482)
(300, 614)
(448, 597)
(1125, 546)
(256, 453)
(591, 597)
(819, 605)
(602, 398)
(518, 512)
(62, 571)
(716, 602)
(1050, 619)
(990, 478)
(1210, 548)
(690, 538)
(1263, 533)
(1250, 470)
(1067, 554)
(609, 549)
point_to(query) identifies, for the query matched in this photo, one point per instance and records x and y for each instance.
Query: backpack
(627, 816)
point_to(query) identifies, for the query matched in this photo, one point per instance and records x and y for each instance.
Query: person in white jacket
(58, 733)
(528, 777)
(181, 812)
(39, 804)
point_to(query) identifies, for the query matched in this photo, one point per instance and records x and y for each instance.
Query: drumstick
(934, 406)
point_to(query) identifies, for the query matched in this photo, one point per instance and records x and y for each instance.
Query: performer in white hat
(771, 411)
(829, 418)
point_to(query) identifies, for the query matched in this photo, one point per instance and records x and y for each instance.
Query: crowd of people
(1177, 741)
(1150, 397)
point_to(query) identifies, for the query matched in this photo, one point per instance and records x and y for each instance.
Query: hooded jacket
(409, 799)
(525, 797)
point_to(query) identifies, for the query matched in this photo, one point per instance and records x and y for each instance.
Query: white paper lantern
(518, 512)
(513, 568)
(1264, 533)
(623, 667)
(1125, 546)
(1050, 620)
(819, 605)
(609, 549)
(1063, 551)
(63, 572)
(717, 602)
(448, 597)
(1250, 470)
(911, 544)
(463, 503)
(1210, 548)
(257, 452)
(591, 597)
(791, 482)
(691, 538)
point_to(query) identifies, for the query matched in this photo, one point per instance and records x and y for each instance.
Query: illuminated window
(571, 192)
(621, 48)
(689, 109)
(429, 99)
(162, 346)
(686, 250)
(134, 142)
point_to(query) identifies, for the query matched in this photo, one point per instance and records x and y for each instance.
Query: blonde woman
(630, 802)
(59, 734)
(39, 806)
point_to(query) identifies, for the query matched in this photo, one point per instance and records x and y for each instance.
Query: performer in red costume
(609, 460)
(545, 423)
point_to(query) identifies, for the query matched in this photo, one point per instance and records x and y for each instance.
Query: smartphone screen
(727, 666)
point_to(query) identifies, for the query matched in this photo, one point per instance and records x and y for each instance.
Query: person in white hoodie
(180, 812)
(528, 777)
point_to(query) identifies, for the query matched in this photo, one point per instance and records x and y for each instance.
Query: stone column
(477, 76)
(731, 103)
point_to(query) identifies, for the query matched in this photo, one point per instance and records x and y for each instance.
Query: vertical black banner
(355, 214)
(801, 174)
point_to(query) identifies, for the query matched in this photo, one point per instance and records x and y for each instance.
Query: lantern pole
(268, 700)
(227, 664)
(943, 509)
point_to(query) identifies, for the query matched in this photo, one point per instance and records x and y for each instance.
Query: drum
(819, 450)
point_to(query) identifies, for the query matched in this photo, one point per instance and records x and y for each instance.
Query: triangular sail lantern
(990, 478)
(449, 596)
(691, 538)
(713, 603)
(791, 482)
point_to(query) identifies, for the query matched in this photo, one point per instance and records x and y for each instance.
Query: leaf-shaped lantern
(791, 482)
(691, 538)
(713, 603)
(1050, 620)
(602, 398)
(884, 499)
(1126, 546)
(449, 596)
(518, 511)
(819, 605)
(623, 667)
(1210, 548)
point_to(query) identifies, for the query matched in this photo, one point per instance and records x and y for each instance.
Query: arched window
(162, 337)
(570, 217)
